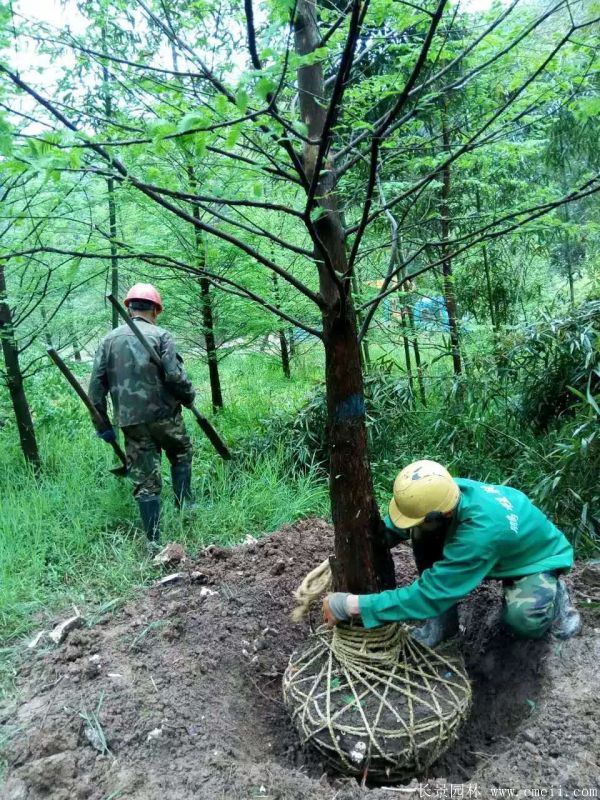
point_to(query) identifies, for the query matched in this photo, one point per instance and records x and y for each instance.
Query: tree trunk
(486, 268)
(407, 287)
(362, 560)
(208, 325)
(283, 346)
(14, 380)
(209, 337)
(567, 251)
(417, 353)
(406, 343)
(47, 334)
(114, 258)
(285, 357)
(364, 345)
(449, 295)
(112, 210)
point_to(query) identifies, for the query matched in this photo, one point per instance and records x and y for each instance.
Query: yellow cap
(419, 489)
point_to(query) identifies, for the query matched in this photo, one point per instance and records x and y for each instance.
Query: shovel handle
(78, 388)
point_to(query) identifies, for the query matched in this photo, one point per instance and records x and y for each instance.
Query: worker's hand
(340, 607)
(108, 435)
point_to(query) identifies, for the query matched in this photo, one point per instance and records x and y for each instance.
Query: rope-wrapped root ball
(376, 702)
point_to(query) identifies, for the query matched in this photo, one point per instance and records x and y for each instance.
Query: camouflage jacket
(139, 392)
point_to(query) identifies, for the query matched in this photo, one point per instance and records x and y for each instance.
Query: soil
(181, 691)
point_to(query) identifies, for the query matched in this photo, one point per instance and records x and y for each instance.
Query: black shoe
(181, 476)
(437, 629)
(149, 506)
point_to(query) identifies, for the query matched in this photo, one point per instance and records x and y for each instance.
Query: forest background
(165, 141)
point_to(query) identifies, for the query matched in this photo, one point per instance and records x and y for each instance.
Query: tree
(313, 200)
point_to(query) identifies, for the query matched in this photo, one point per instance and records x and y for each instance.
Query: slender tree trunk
(364, 345)
(486, 269)
(211, 346)
(14, 380)
(47, 334)
(362, 560)
(74, 343)
(208, 325)
(283, 346)
(449, 295)
(406, 343)
(417, 353)
(568, 253)
(110, 184)
(114, 258)
(291, 342)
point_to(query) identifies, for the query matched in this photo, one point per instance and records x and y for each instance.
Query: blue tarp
(430, 313)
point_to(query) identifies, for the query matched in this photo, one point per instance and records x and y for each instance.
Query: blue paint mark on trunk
(350, 408)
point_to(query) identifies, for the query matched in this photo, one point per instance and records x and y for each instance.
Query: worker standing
(146, 403)
(463, 531)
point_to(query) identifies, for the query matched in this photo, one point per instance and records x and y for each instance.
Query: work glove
(340, 607)
(109, 435)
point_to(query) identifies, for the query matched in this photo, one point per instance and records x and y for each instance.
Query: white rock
(206, 592)
(62, 630)
(154, 734)
(358, 752)
(172, 578)
(37, 639)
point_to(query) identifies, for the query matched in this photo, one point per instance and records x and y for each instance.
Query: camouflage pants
(529, 604)
(144, 445)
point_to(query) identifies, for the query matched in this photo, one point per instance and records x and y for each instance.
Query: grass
(71, 535)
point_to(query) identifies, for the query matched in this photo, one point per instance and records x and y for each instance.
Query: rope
(312, 587)
(376, 700)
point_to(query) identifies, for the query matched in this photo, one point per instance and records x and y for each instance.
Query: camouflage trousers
(528, 608)
(144, 445)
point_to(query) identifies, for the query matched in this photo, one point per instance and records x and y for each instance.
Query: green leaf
(75, 158)
(233, 136)
(221, 104)
(161, 128)
(192, 121)
(241, 101)
(200, 144)
(13, 166)
(264, 87)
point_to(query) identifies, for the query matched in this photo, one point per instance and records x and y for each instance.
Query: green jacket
(495, 532)
(138, 390)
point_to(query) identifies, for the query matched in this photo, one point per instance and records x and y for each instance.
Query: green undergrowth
(70, 536)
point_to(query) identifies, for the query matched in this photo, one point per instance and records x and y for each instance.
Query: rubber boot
(437, 629)
(181, 476)
(567, 621)
(149, 506)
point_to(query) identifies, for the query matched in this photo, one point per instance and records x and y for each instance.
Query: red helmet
(144, 291)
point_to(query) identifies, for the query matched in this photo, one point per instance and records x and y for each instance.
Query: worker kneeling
(463, 531)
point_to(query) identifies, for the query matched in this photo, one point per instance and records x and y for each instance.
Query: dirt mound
(178, 696)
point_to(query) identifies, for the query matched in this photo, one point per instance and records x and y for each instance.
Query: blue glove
(334, 608)
(109, 435)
